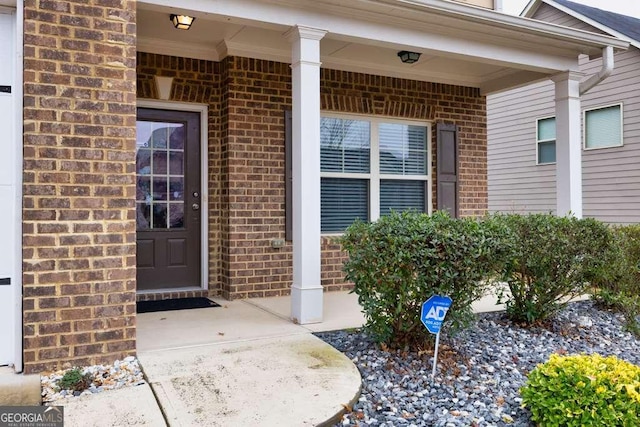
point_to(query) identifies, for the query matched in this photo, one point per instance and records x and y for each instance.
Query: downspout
(605, 71)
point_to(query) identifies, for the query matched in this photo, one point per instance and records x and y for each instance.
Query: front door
(168, 198)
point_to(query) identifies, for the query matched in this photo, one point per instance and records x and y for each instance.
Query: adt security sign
(433, 311)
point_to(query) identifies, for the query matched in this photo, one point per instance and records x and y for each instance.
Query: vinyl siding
(516, 183)
(611, 176)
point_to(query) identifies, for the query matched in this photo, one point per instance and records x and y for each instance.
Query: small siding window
(603, 127)
(370, 167)
(546, 141)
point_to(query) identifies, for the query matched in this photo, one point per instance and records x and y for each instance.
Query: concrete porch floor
(241, 320)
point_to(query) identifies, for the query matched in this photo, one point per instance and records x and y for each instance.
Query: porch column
(306, 290)
(568, 144)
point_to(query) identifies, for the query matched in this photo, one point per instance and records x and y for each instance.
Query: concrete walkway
(244, 363)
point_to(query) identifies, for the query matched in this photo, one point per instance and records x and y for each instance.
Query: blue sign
(433, 311)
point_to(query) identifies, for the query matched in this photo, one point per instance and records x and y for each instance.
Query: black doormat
(174, 304)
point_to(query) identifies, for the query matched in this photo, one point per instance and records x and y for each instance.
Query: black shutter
(288, 176)
(447, 168)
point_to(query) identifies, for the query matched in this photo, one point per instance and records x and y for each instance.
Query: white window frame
(374, 176)
(584, 126)
(538, 141)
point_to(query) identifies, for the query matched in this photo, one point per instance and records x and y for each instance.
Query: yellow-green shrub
(583, 390)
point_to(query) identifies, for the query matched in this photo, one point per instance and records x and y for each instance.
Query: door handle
(195, 206)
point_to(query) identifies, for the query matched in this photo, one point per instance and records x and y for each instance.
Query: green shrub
(399, 261)
(583, 390)
(618, 287)
(552, 259)
(74, 380)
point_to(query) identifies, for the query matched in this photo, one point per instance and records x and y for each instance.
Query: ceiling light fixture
(182, 22)
(409, 57)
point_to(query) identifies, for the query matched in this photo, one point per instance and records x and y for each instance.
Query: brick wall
(246, 142)
(255, 96)
(78, 206)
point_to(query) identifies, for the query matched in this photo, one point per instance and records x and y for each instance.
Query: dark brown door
(168, 198)
(447, 167)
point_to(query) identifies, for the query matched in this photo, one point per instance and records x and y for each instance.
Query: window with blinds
(370, 167)
(403, 152)
(344, 145)
(403, 149)
(343, 200)
(603, 127)
(402, 195)
(345, 148)
(546, 141)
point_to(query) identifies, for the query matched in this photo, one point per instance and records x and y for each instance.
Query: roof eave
(530, 11)
(501, 20)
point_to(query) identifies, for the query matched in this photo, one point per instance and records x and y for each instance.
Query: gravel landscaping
(122, 373)
(479, 371)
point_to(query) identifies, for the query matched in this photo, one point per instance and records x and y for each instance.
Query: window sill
(602, 148)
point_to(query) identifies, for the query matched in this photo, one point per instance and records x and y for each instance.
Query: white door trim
(203, 109)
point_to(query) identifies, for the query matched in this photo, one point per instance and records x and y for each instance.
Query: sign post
(432, 315)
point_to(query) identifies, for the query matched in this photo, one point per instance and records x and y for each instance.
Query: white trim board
(11, 188)
(203, 109)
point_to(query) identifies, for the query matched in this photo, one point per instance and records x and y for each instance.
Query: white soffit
(459, 44)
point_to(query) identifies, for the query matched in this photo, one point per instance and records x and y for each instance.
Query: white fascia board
(586, 20)
(495, 20)
(491, 19)
(530, 9)
(376, 28)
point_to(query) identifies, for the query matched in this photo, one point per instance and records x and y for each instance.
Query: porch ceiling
(460, 45)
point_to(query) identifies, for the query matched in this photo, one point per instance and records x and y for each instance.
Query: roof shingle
(624, 24)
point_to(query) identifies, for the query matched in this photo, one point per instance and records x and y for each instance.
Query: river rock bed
(122, 373)
(479, 371)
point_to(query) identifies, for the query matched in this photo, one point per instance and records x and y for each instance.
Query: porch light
(409, 57)
(182, 22)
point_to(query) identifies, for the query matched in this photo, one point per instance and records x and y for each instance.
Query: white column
(568, 144)
(306, 290)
